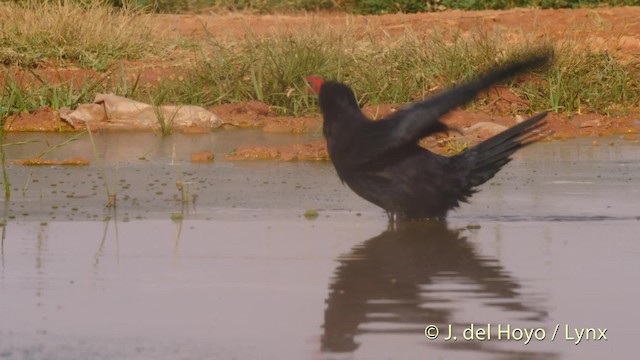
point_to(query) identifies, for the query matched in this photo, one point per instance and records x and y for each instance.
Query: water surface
(237, 271)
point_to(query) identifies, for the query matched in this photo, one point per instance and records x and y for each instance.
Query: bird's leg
(391, 215)
(393, 218)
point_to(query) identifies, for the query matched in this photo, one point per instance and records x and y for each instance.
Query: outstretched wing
(420, 119)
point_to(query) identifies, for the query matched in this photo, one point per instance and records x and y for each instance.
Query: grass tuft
(584, 81)
(91, 34)
(396, 71)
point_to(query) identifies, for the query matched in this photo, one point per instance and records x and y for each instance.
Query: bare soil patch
(616, 29)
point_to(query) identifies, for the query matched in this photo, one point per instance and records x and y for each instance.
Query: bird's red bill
(315, 82)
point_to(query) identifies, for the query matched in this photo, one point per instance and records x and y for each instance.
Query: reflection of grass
(183, 186)
(8, 102)
(3, 163)
(37, 160)
(56, 146)
(111, 196)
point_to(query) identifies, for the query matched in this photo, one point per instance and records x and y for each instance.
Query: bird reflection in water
(396, 279)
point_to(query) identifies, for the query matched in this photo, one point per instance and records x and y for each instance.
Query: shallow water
(240, 273)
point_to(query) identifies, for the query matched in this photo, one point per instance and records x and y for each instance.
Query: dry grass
(399, 70)
(92, 35)
(272, 68)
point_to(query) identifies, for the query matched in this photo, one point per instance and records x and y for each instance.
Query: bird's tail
(488, 157)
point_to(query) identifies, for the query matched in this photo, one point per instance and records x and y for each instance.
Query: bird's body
(382, 162)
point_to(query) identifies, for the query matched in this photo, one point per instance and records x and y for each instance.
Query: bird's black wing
(420, 119)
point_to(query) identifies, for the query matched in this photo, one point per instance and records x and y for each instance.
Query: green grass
(111, 196)
(27, 96)
(272, 68)
(585, 82)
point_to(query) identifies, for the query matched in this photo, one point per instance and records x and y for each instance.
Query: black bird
(382, 162)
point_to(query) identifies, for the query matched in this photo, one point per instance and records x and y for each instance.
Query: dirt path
(616, 29)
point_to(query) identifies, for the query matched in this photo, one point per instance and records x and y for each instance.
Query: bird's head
(333, 95)
(315, 83)
(337, 102)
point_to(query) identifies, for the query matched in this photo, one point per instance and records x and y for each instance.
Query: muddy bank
(475, 126)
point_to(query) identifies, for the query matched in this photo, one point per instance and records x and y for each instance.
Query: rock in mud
(590, 123)
(109, 111)
(485, 129)
(202, 157)
(74, 161)
(314, 151)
